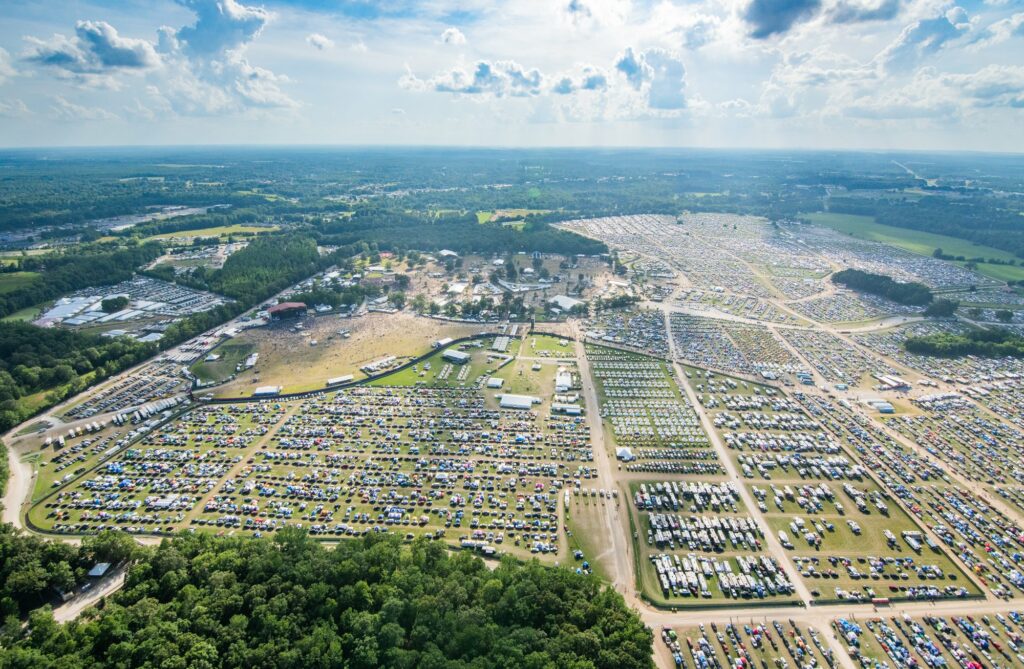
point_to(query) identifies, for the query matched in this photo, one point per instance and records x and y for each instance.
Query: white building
(266, 391)
(564, 302)
(563, 380)
(521, 402)
(456, 356)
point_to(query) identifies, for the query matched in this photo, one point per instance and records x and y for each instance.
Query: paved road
(107, 585)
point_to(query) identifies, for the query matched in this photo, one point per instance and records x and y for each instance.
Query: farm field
(917, 241)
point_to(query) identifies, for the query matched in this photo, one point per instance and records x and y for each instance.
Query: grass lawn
(538, 344)
(219, 231)
(231, 354)
(916, 241)
(585, 519)
(11, 281)
(26, 314)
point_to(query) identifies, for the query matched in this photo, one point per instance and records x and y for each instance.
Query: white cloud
(494, 79)
(992, 86)
(95, 49)
(634, 67)
(65, 110)
(453, 36)
(586, 78)
(657, 72)
(221, 25)
(922, 39)
(6, 69)
(13, 109)
(699, 30)
(319, 42)
(1003, 30)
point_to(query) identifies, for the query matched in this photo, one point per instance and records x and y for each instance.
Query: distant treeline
(910, 293)
(391, 230)
(81, 267)
(59, 361)
(992, 343)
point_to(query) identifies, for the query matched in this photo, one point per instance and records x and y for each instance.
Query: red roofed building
(287, 310)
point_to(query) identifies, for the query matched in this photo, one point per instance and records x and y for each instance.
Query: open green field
(231, 354)
(219, 231)
(541, 345)
(26, 314)
(916, 241)
(10, 281)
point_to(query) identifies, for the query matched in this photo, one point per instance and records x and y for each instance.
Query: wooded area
(991, 343)
(287, 601)
(910, 293)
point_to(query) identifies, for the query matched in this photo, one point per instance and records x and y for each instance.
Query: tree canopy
(910, 293)
(992, 343)
(287, 601)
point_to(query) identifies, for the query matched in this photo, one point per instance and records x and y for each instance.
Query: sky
(847, 74)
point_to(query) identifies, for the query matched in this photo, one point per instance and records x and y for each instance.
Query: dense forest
(462, 233)
(287, 601)
(63, 362)
(83, 266)
(910, 293)
(992, 343)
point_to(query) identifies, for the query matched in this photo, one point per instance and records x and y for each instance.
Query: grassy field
(10, 281)
(540, 345)
(290, 360)
(26, 314)
(916, 241)
(231, 354)
(220, 231)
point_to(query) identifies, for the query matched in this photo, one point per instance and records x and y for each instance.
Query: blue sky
(915, 74)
